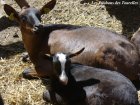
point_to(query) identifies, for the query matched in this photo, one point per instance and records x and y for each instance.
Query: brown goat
(103, 48)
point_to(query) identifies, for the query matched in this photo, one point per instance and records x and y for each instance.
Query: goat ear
(48, 7)
(48, 57)
(11, 12)
(22, 3)
(77, 53)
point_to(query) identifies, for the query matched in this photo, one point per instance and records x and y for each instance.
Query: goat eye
(58, 67)
(23, 18)
(68, 63)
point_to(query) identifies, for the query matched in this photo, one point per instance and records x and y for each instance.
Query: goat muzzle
(63, 80)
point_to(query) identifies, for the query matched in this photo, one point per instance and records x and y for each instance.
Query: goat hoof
(29, 74)
(46, 97)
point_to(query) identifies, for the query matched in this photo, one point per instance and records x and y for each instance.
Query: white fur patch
(63, 77)
(62, 58)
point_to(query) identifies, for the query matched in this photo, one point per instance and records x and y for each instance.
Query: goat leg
(29, 74)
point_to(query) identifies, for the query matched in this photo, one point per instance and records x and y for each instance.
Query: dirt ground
(123, 19)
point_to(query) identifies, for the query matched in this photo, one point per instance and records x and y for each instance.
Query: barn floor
(123, 19)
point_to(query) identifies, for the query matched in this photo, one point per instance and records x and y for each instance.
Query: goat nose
(63, 78)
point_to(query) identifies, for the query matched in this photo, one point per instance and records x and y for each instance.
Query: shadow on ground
(5, 23)
(129, 15)
(11, 49)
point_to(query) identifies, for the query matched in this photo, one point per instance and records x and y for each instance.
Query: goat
(84, 85)
(104, 49)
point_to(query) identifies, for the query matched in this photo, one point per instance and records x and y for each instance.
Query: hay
(18, 91)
